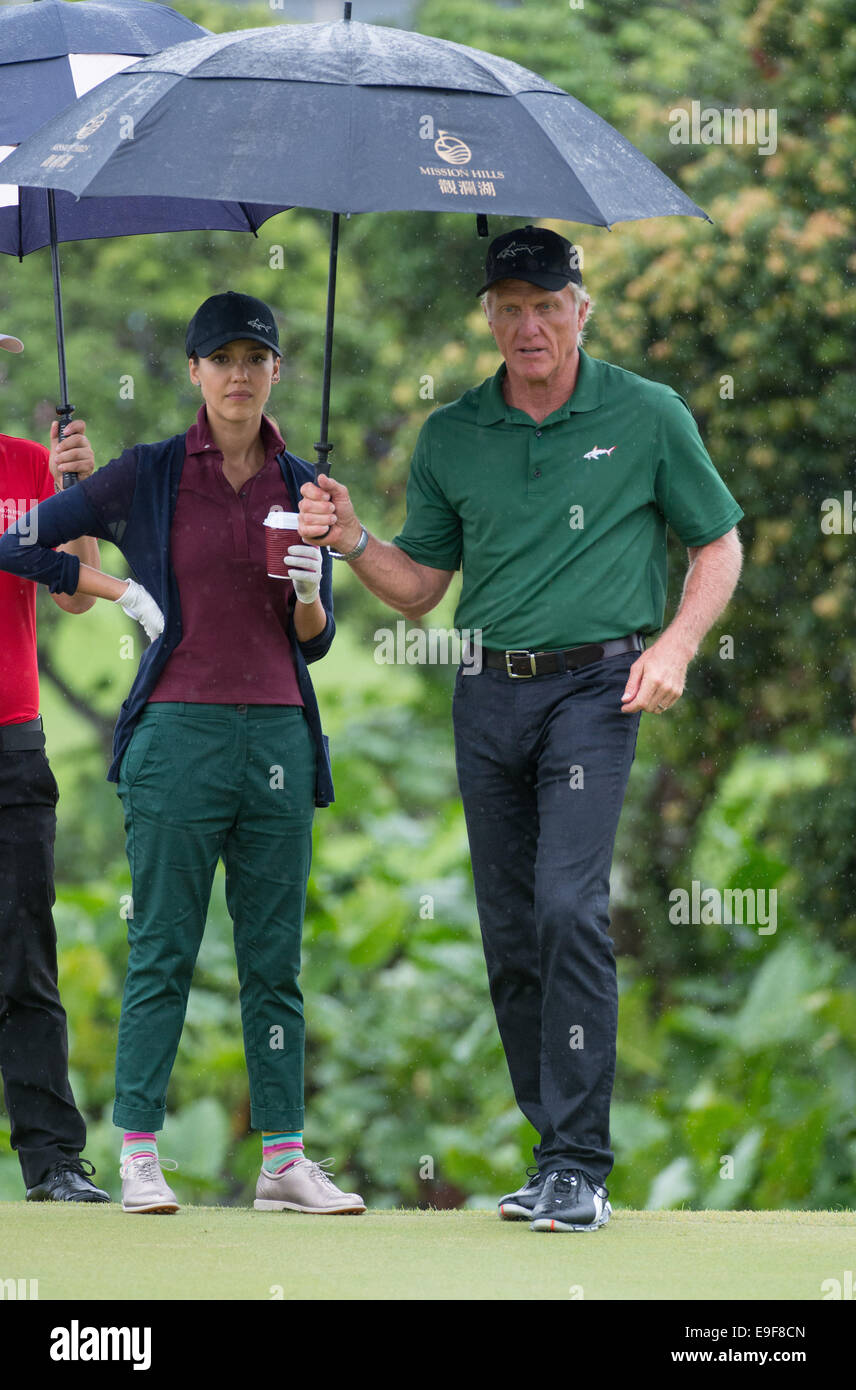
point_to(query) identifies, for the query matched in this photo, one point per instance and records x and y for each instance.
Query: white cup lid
(282, 521)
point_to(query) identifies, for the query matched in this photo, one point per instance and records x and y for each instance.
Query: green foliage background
(731, 1043)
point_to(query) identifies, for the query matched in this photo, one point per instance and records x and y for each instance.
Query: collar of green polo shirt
(560, 526)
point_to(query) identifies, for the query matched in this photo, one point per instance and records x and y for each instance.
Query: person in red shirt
(47, 1129)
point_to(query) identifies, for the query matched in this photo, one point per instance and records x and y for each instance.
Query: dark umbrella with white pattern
(52, 53)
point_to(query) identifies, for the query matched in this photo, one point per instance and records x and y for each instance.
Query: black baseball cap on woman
(226, 317)
(534, 254)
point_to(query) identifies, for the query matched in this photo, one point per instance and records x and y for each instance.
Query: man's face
(236, 378)
(535, 330)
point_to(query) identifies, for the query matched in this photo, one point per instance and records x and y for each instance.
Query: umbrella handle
(323, 449)
(65, 413)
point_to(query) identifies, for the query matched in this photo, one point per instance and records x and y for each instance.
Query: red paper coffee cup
(280, 532)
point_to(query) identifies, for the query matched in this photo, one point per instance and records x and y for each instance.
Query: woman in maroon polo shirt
(222, 762)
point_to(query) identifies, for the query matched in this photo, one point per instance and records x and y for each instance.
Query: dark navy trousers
(543, 767)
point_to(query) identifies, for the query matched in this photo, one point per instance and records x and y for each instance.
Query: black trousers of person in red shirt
(46, 1125)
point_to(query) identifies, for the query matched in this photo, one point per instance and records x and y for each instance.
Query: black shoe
(519, 1205)
(67, 1181)
(571, 1201)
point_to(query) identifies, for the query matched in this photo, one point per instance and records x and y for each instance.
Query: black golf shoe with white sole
(570, 1201)
(519, 1205)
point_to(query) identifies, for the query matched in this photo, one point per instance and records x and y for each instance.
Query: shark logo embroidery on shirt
(596, 453)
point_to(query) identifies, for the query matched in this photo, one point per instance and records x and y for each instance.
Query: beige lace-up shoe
(307, 1187)
(144, 1188)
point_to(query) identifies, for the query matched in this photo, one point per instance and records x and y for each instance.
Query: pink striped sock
(136, 1143)
(281, 1150)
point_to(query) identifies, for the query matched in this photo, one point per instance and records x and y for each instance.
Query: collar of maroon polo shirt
(199, 438)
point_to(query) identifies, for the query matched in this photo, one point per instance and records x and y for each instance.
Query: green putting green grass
(94, 1252)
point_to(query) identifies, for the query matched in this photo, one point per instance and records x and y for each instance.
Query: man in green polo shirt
(552, 486)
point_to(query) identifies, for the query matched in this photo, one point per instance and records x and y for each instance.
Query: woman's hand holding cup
(305, 571)
(288, 557)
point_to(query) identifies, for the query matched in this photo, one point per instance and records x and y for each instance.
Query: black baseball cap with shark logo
(535, 254)
(224, 318)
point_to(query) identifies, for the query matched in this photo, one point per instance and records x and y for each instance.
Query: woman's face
(236, 379)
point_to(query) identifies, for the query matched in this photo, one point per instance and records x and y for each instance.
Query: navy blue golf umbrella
(51, 53)
(350, 117)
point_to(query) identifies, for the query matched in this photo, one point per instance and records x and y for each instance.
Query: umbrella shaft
(64, 410)
(324, 447)
(60, 326)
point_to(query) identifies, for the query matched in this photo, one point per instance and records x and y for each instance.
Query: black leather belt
(523, 665)
(21, 738)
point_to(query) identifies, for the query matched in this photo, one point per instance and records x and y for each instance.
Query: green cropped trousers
(200, 782)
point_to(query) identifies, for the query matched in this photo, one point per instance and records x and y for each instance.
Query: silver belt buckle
(520, 675)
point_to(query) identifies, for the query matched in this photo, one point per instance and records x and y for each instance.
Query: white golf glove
(138, 603)
(306, 572)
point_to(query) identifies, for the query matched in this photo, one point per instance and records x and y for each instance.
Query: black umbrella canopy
(349, 117)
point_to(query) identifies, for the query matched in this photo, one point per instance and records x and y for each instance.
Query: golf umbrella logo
(452, 149)
(92, 125)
